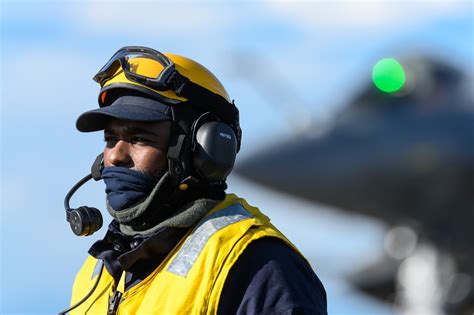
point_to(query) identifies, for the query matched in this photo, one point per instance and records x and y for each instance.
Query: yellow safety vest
(190, 280)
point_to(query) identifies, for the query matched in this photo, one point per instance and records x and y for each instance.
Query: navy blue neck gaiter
(125, 187)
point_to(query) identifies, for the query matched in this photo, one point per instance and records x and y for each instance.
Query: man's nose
(119, 155)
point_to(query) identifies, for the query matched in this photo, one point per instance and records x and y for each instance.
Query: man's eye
(139, 140)
(109, 138)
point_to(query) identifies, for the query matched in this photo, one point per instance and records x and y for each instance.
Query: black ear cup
(85, 221)
(214, 151)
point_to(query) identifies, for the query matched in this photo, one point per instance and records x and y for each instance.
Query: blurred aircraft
(402, 150)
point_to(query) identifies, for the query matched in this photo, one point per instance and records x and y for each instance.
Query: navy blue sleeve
(270, 278)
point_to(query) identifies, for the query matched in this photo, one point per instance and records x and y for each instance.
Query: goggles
(159, 74)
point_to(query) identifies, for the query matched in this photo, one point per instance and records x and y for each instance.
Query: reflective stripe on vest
(191, 249)
(98, 267)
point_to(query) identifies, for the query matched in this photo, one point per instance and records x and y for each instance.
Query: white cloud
(369, 16)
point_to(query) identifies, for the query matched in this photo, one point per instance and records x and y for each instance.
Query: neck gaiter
(126, 187)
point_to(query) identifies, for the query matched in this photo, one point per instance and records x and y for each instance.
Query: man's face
(141, 146)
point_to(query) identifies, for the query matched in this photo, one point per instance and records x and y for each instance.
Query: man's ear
(97, 166)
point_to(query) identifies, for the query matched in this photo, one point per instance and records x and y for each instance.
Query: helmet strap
(177, 165)
(180, 141)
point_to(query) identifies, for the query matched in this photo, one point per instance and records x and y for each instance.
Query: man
(178, 244)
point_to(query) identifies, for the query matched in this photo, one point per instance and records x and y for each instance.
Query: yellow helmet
(171, 79)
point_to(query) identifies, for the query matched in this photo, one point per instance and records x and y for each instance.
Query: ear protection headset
(213, 148)
(204, 154)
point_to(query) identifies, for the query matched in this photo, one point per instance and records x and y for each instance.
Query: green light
(388, 75)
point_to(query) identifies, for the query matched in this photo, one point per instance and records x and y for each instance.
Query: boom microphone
(85, 220)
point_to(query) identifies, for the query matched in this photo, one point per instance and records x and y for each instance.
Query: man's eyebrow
(129, 130)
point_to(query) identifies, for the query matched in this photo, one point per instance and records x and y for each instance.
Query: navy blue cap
(128, 107)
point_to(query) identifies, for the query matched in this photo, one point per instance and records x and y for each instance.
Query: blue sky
(50, 51)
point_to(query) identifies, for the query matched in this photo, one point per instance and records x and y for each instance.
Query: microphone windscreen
(96, 167)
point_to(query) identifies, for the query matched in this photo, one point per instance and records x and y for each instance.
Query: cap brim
(127, 108)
